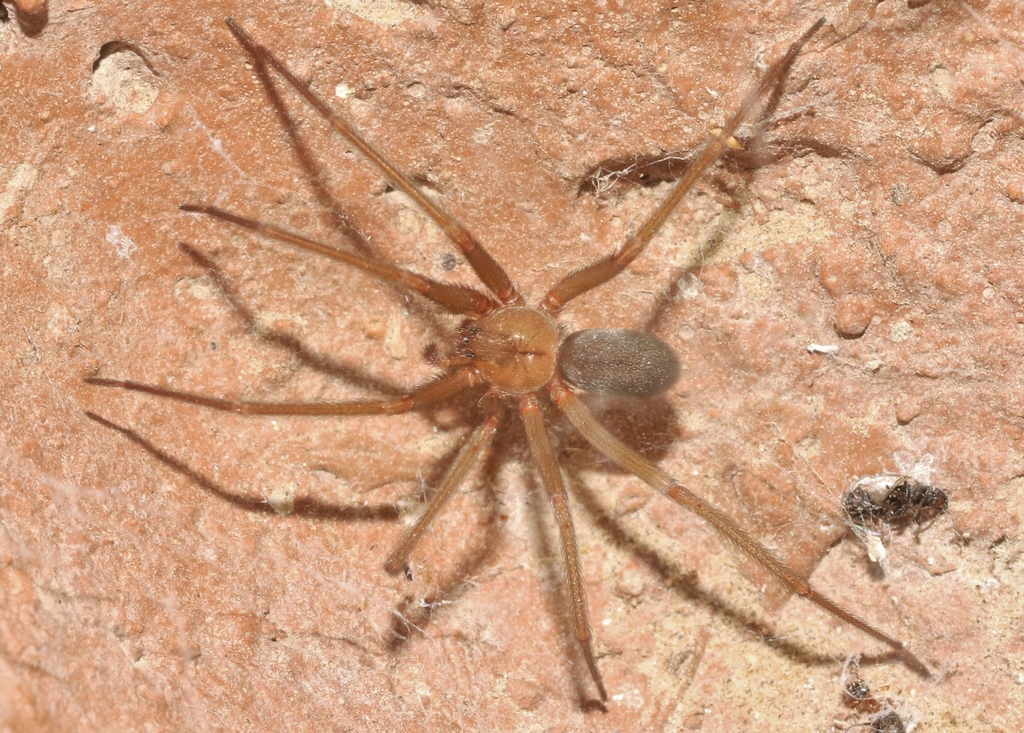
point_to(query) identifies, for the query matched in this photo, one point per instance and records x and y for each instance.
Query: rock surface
(880, 212)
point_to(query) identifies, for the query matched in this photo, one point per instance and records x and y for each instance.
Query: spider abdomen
(617, 361)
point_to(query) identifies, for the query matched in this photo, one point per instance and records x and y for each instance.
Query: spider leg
(627, 458)
(551, 477)
(590, 276)
(432, 392)
(468, 457)
(455, 298)
(485, 266)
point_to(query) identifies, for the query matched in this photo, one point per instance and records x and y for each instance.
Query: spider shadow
(304, 507)
(314, 360)
(412, 617)
(686, 583)
(650, 426)
(342, 220)
(656, 420)
(644, 170)
(735, 175)
(752, 150)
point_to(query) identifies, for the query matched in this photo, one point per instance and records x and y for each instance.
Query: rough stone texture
(884, 216)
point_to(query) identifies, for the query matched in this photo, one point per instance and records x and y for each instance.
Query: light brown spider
(517, 353)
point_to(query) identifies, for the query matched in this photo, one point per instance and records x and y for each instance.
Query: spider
(516, 353)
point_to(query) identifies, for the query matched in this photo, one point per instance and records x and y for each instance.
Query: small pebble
(853, 316)
(907, 410)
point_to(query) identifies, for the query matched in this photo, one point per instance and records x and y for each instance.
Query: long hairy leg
(454, 298)
(597, 273)
(485, 266)
(575, 586)
(627, 458)
(469, 456)
(434, 391)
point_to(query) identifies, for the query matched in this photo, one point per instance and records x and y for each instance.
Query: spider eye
(616, 361)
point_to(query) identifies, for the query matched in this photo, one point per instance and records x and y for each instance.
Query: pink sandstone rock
(882, 214)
